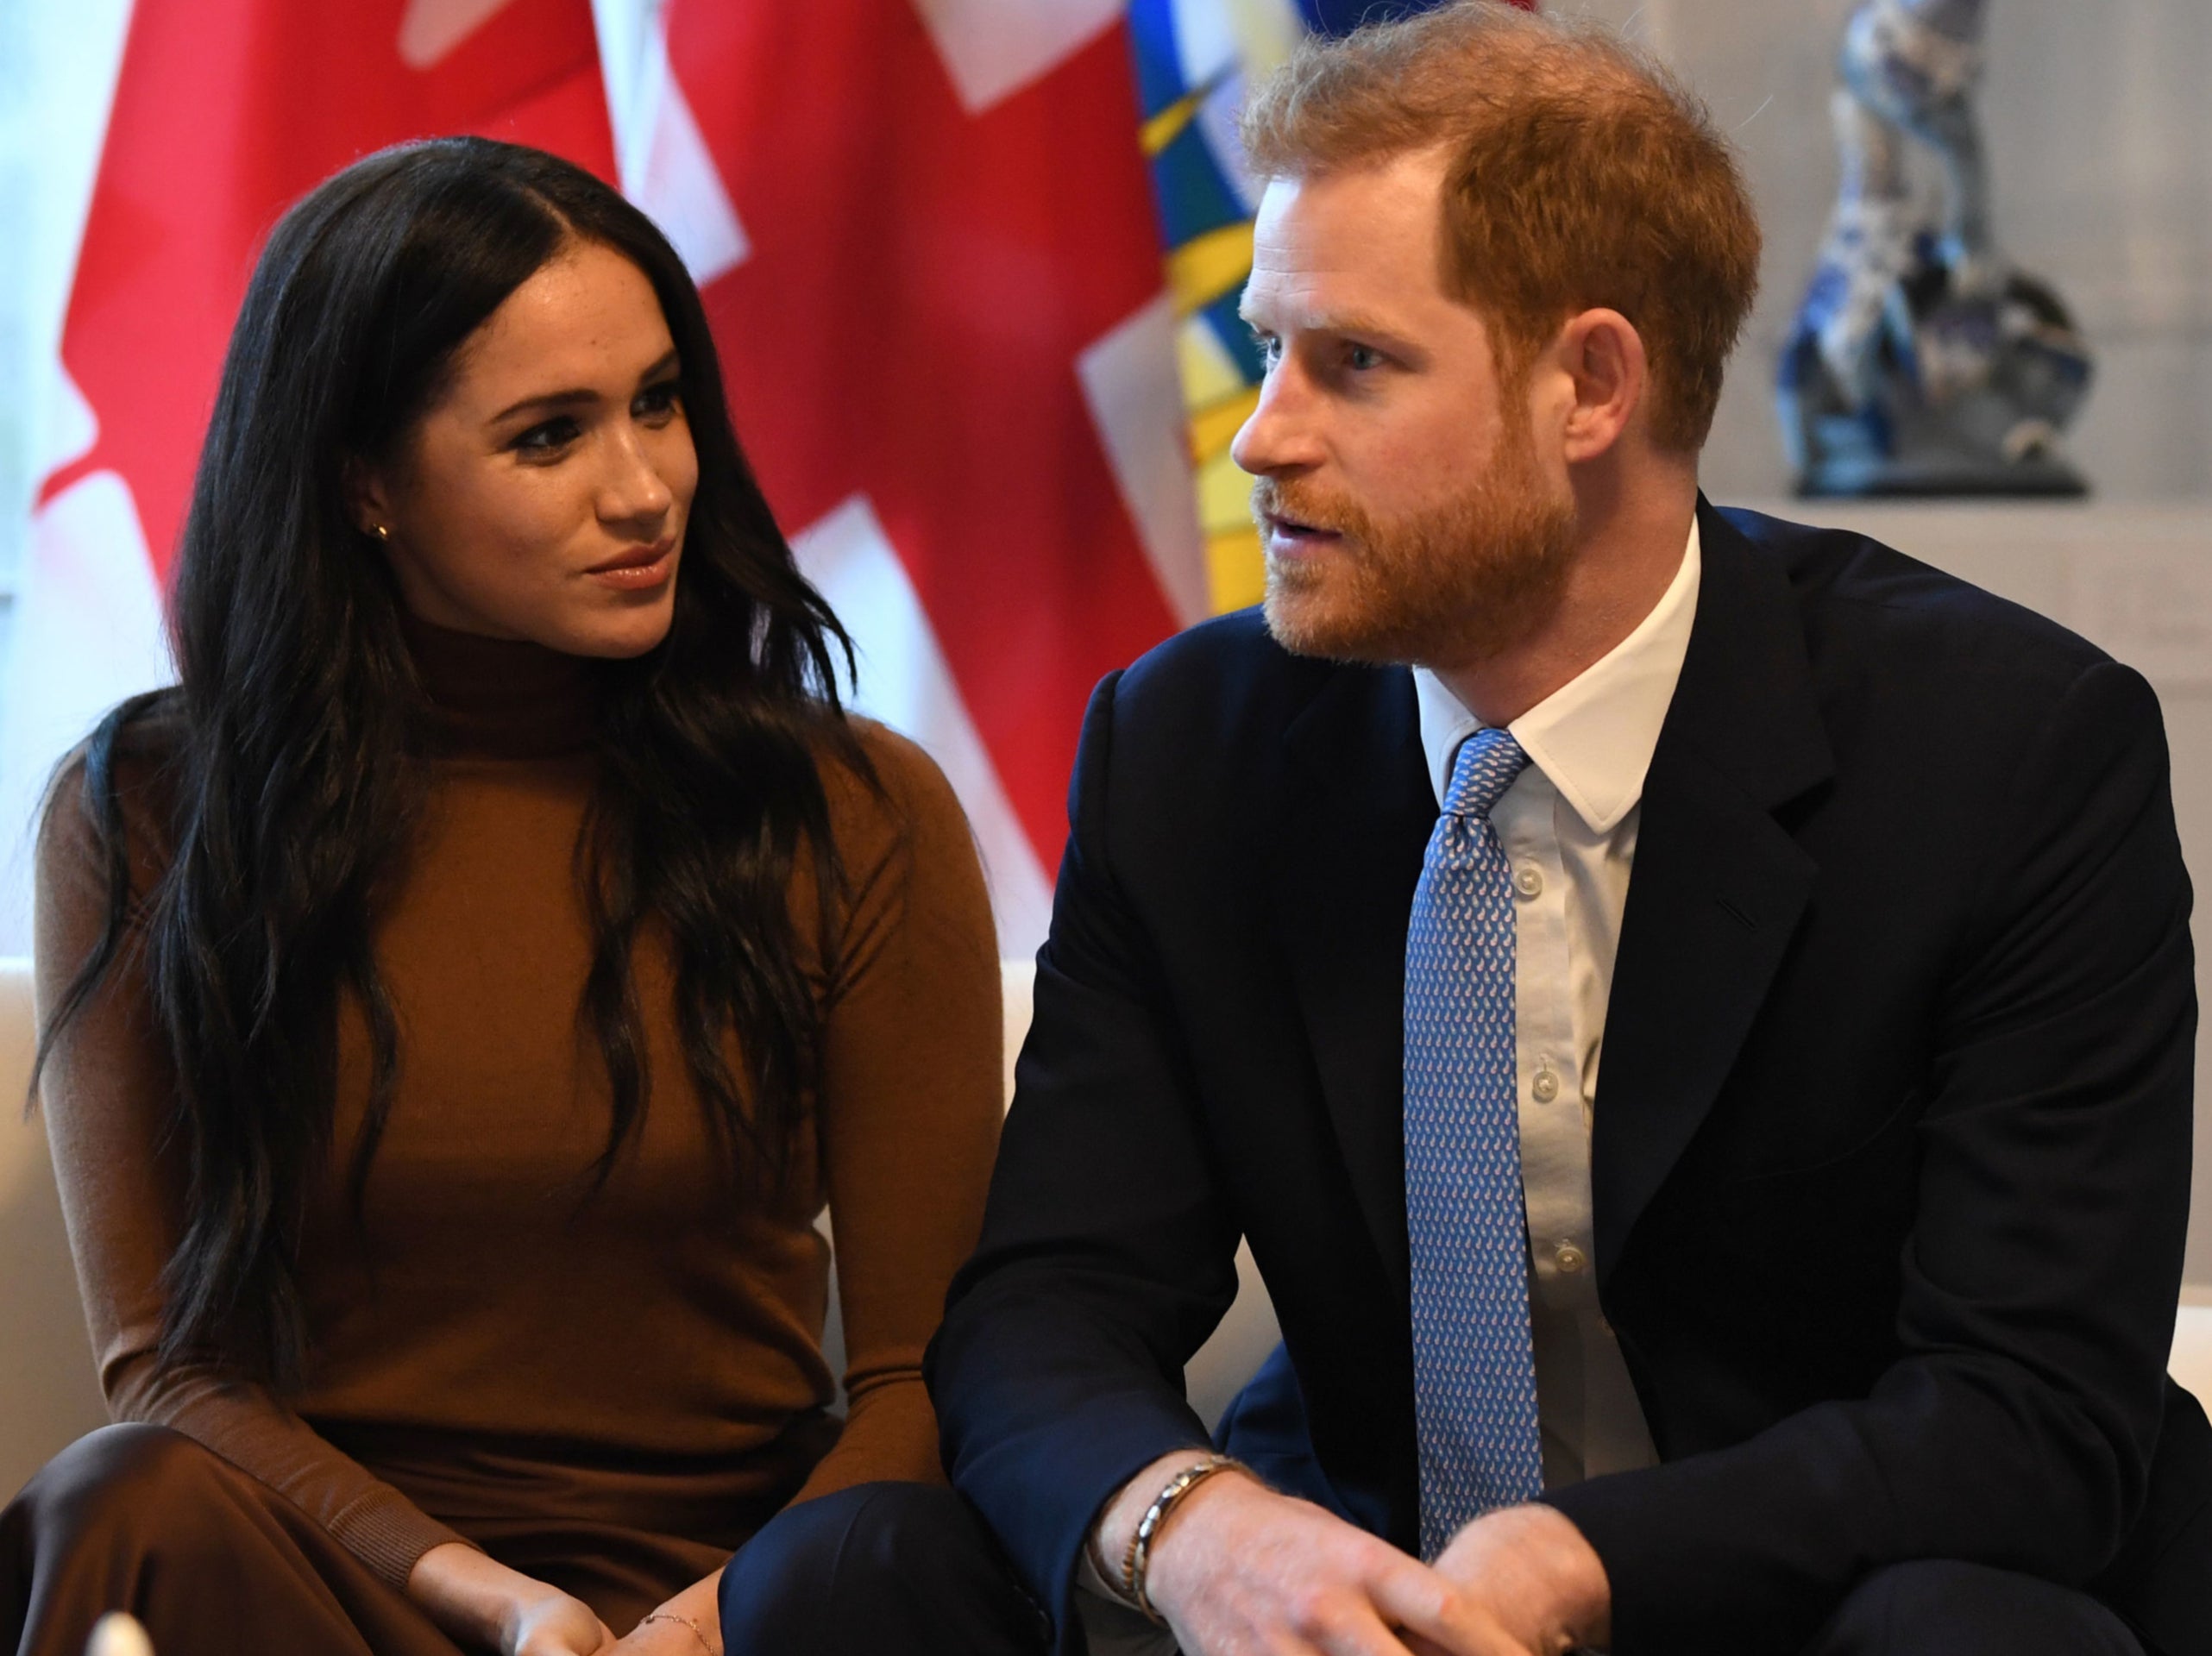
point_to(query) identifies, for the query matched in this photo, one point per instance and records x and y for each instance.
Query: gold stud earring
(380, 531)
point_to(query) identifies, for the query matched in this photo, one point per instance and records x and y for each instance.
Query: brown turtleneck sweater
(638, 1373)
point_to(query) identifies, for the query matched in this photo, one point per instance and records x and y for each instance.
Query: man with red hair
(1833, 1319)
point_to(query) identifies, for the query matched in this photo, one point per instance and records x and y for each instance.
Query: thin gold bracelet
(705, 1643)
(1138, 1560)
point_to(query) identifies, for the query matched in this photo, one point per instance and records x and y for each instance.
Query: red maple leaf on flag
(226, 112)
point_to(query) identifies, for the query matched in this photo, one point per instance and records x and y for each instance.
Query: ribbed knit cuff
(388, 1534)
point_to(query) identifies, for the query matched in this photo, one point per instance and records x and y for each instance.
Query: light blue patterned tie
(1474, 1386)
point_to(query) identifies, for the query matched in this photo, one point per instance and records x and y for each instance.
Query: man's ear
(1602, 356)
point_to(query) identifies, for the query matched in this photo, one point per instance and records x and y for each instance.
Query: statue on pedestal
(1923, 362)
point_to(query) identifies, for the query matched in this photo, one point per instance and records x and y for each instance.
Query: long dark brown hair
(287, 771)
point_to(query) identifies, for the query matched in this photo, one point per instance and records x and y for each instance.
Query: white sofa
(48, 1394)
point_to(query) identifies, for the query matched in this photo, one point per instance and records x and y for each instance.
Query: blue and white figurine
(1923, 362)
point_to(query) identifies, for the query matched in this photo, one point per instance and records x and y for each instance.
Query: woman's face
(544, 495)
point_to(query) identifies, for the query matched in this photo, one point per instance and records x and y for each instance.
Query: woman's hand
(690, 1624)
(554, 1624)
(478, 1601)
(663, 1638)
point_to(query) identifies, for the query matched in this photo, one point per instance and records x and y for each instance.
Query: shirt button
(1545, 1086)
(1570, 1258)
(1530, 880)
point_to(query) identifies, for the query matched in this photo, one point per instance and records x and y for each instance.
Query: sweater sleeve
(108, 1093)
(911, 1100)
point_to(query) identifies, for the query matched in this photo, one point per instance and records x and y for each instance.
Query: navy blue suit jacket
(1892, 1149)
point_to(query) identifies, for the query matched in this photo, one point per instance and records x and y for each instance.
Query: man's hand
(1240, 1571)
(1531, 1569)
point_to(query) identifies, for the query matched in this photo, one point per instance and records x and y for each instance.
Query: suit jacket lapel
(1718, 883)
(1357, 813)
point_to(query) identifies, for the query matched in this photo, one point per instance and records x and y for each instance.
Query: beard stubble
(1450, 587)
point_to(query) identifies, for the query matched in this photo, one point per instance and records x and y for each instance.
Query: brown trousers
(142, 1519)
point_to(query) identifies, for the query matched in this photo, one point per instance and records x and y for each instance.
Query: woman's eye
(658, 402)
(1270, 348)
(549, 437)
(1361, 357)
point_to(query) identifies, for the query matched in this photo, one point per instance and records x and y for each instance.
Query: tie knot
(1487, 763)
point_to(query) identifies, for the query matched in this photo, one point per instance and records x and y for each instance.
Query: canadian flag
(225, 112)
(926, 242)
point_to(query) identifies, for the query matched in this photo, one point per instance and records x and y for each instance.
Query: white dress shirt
(1569, 826)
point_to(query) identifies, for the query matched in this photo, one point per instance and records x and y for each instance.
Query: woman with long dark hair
(463, 990)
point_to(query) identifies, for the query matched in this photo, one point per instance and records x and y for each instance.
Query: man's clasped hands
(1240, 1568)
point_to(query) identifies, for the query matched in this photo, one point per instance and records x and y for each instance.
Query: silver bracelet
(1138, 1558)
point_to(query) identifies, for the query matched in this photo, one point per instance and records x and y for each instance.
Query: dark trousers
(904, 1570)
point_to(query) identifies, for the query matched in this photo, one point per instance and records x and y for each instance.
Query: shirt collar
(1593, 737)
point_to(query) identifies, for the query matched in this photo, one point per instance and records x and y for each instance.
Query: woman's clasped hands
(481, 1601)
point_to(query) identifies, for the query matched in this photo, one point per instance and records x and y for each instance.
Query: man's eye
(549, 437)
(1270, 348)
(1361, 357)
(658, 402)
